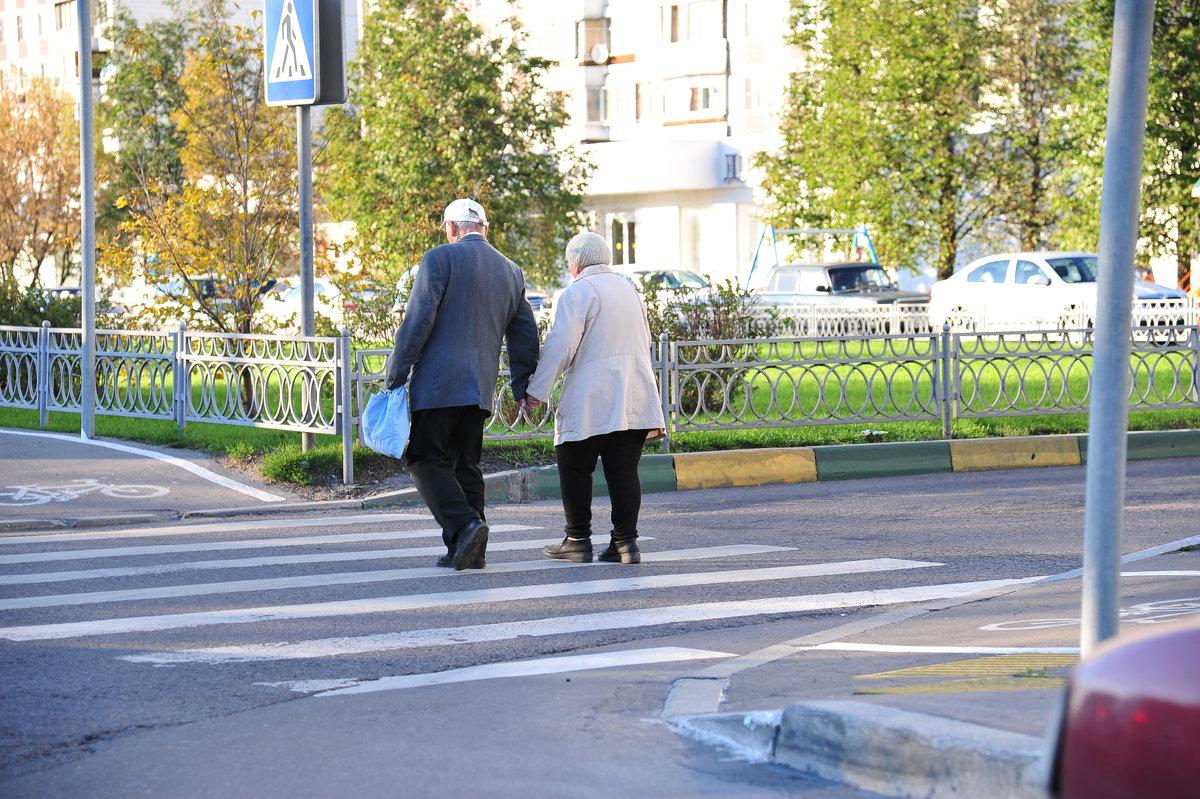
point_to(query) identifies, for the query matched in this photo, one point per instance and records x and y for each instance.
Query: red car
(1131, 722)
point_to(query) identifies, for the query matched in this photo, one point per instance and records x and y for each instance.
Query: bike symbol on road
(40, 495)
(290, 60)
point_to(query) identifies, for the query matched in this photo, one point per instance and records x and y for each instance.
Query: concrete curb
(752, 467)
(881, 749)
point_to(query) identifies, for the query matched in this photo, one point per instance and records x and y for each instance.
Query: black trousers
(620, 453)
(444, 448)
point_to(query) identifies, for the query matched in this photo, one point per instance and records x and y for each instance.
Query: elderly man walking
(466, 298)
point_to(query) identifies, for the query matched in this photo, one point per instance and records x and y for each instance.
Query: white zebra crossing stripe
(583, 623)
(215, 527)
(352, 578)
(398, 604)
(728, 550)
(530, 668)
(258, 543)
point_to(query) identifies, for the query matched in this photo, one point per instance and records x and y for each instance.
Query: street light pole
(1109, 417)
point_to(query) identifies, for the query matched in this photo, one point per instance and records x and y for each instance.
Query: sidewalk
(947, 699)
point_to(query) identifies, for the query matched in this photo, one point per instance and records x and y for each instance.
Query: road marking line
(215, 527)
(847, 646)
(398, 604)
(562, 625)
(188, 466)
(731, 550)
(1174, 573)
(497, 671)
(351, 578)
(257, 543)
(1132, 557)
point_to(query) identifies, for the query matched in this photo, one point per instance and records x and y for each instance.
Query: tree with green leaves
(439, 110)
(1030, 79)
(1171, 216)
(210, 245)
(141, 94)
(1170, 219)
(39, 182)
(880, 127)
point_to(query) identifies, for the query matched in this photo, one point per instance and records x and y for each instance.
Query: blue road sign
(290, 52)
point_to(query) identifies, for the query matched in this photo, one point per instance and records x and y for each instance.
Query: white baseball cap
(463, 210)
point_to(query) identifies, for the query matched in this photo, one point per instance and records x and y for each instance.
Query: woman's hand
(529, 403)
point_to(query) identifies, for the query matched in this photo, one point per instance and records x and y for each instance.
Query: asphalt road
(196, 659)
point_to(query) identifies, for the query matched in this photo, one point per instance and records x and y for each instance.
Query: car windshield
(1076, 269)
(859, 278)
(687, 280)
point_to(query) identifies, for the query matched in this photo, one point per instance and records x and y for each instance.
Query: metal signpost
(1109, 418)
(304, 66)
(87, 239)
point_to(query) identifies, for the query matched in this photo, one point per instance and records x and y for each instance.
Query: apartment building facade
(670, 101)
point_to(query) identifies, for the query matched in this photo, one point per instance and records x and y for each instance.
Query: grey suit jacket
(466, 298)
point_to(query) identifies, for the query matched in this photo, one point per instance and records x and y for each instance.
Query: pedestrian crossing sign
(290, 55)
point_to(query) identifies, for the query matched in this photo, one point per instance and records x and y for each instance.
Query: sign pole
(1104, 506)
(304, 169)
(87, 202)
(303, 66)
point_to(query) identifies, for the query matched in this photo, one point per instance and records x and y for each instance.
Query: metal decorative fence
(811, 321)
(318, 385)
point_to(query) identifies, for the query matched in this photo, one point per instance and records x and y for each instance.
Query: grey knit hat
(587, 249)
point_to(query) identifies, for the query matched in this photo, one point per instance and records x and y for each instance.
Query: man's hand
(529, 403)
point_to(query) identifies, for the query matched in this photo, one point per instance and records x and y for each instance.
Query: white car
(283, 303)
(1040, 290)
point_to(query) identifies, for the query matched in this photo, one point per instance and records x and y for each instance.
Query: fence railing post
(1194, 342)
(946, 384)
(346, 416)
(183, 387)
(664, 388)
(42, 374)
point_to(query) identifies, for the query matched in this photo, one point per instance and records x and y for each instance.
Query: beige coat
(600, 344)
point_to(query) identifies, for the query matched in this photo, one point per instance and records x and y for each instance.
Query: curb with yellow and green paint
(758, 467)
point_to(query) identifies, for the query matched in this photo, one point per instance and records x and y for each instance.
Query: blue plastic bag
(385, 422)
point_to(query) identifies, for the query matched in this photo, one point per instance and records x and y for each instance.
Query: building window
(595, 105)
(623, 240)
(62, 12)
(753, 22)
(20, 29)
(592, 39)
(700, 19)
(642, 110)
(670, 23)
(753, 95)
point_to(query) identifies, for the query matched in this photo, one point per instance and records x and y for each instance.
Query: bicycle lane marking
(188, 466)
(26, 495)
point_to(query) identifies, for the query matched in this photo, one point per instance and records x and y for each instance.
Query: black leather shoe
(577, 550)
(470, 546)
(621, 552)
(447, 561)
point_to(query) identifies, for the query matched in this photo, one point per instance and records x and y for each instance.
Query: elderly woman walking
(600, 344)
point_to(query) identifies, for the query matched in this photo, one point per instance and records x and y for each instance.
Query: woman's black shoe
(578, 550)
(621, 552)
